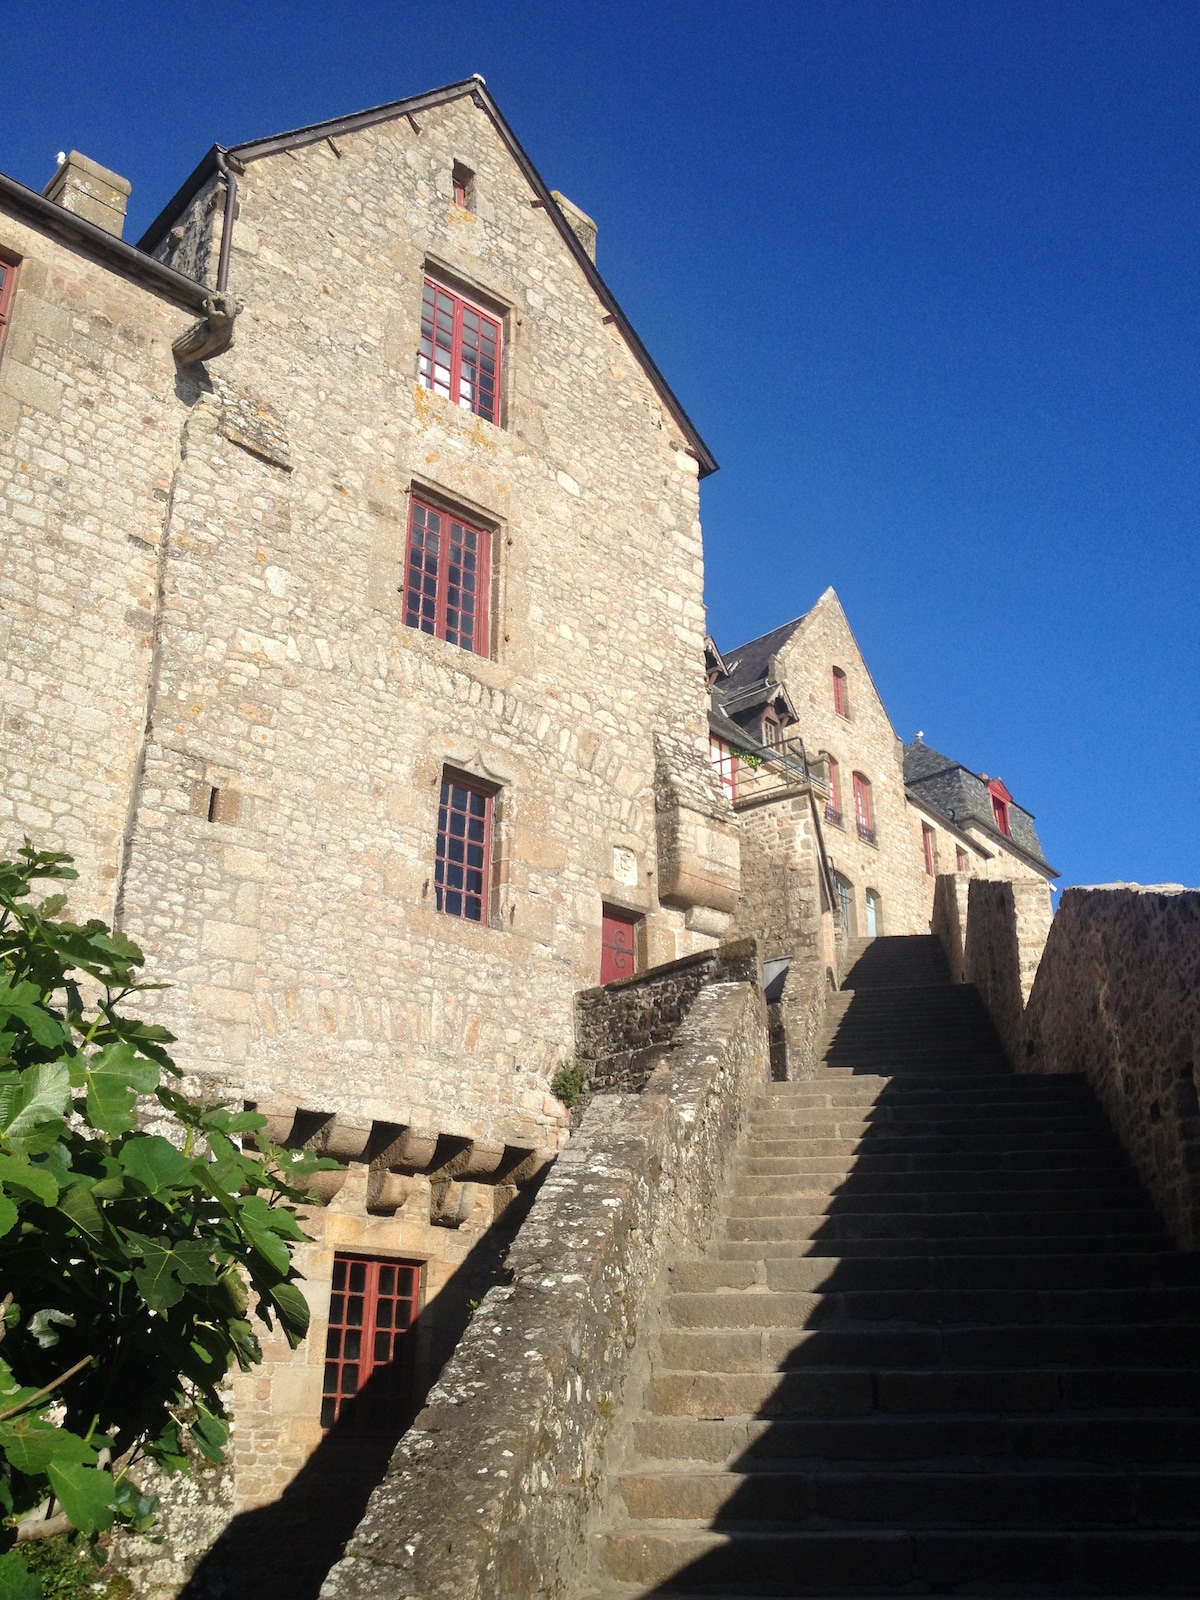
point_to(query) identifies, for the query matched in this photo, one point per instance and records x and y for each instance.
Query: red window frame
(841, 697)
(8, 279)
(1000, 812)
(862, 807)
(618, 944)
(463, 866)
(929, 847)
(961, 862)
(460, 351)
(726, 763)
(460, 192)
(447, 577)
(370, 1345)
(833, 806)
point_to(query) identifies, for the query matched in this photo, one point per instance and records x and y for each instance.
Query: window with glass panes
(464, 847)
(369, 1349)
(723, 759)
(447, 577)
(460, 351)
(8, 277)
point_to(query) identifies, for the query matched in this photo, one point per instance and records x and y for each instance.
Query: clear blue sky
(924, 272)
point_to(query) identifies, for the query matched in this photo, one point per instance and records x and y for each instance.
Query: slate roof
(962, 797)
(749, 662)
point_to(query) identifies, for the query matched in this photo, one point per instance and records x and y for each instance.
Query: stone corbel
(212, 335)
(699, 851)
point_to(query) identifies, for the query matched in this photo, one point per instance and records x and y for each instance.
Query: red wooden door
(618, 952)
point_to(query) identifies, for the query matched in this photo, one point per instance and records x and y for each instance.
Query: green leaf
(16, 1580)
(31, 1444)
(293, 1310)
(86, 1494)
(39, 1095)
(42, 1326)
(16, 1173)
(157, 1281)
(25, 1002)
(154, 1162)
(211, 1436)
(78, 1203)
(8, 1215)
(262, 1227)
(114, 1077)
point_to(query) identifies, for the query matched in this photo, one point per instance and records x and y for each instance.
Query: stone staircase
(942, 1345)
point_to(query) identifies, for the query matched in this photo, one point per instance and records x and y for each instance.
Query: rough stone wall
(781, 907)
(89, 441)
(1007, 925)
(491, 1492)
(1117, 996)
(623, 1031)
(949, 920)
(864, 741)
(289, 678)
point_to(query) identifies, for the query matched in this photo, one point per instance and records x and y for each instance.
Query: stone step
(1085, 1195)
(951, 1090)
(873, 1392)
(1111, 1437)
(780, 1124)
(946, 1308)
(1085, 1146)
(896, 1175)
(763, 1348)
(798, 1563)
(829, 1274)
(1036, 1497)
(800, 1223)
(792, 1249)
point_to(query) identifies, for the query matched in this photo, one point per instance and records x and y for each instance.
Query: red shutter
(927, 844)
(618, 945)
(369, 1348)
(840, 700)
(8, 277)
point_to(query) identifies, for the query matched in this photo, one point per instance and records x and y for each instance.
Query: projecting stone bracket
(434, 1177)
(699, 852)
(212, 335)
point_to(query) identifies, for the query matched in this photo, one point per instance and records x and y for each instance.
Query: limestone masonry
(354, 644)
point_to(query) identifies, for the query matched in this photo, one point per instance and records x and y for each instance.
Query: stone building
(886, 818)
(353, 625)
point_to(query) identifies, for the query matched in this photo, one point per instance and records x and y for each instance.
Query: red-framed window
(833, 806)
(447, 577)
(726, 763)
(929, 849)
(863, 815)
(463, 872)
(462, 180)
(1001, 800)
(8, 278)
(460, 351)
(841, 694)
(618, 944)
(370, 1346)
(961, 864)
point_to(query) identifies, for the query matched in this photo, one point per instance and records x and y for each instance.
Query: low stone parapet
(491, 1493)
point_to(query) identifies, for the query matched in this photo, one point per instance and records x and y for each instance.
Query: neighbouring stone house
(353, 623)
(797, 709)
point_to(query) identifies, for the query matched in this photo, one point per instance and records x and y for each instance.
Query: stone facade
(1110, 988)
(213, 701)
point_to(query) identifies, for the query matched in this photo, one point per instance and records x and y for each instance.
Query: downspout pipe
(231, 189)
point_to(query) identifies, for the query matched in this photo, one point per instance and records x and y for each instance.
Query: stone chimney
(90, 191)
(582, 226)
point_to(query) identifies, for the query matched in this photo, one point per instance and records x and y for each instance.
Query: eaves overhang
(129, 260)
(313, 133)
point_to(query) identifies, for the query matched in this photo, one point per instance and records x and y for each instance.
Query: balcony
(832, 815)
(866, 833)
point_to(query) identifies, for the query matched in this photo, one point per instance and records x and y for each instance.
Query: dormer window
(841, 694)
(463, 181)
(460, 351)
(1001, 800)
(772, 733)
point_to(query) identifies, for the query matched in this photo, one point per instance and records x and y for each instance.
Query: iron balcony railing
(764, 768)
(866, 832)
(832, 815)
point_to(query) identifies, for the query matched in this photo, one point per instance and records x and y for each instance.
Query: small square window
(460, 351)
(463, 872)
